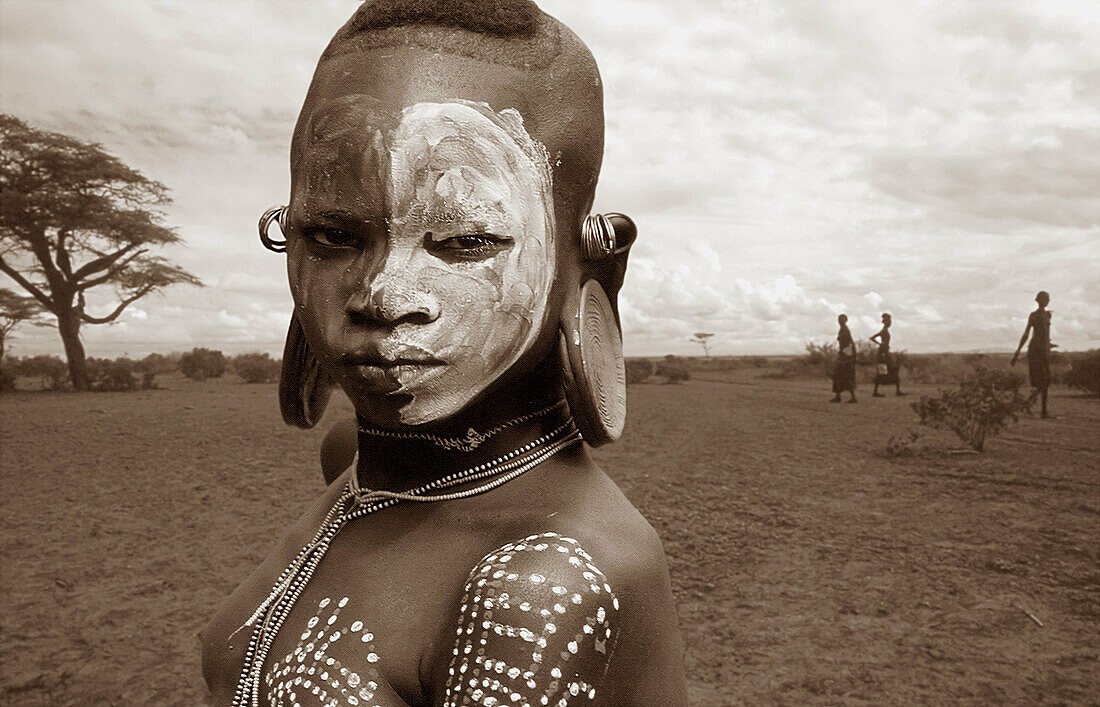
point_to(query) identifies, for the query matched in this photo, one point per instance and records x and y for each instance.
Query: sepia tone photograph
(639, 353)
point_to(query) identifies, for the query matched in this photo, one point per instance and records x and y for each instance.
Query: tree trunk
(68, 324)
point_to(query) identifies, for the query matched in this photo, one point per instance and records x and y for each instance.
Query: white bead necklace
(356, 502)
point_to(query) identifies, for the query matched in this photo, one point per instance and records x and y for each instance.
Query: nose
(394, 298)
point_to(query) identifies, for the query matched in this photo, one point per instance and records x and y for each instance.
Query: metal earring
(597, 237)
(272, 215)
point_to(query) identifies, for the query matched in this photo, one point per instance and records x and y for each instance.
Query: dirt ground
(809, 567)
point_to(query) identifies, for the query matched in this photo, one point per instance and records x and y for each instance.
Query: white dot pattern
(308, 675)
(537, 627)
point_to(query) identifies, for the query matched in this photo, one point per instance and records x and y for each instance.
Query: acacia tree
(15, 309)
(73, 218)
(701, 338)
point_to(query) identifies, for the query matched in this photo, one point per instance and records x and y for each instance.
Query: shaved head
(506, 54)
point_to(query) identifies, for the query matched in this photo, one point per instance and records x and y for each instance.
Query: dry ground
(809, 568)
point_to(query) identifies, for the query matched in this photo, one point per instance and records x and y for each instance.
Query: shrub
(261, 368)
(158, 364)
(200, 364)
(902, 445)
(105, 375)
(1085, 373)
(51, 370)
(674, 369)
(985, 403)
(7, 377)
(638, 370)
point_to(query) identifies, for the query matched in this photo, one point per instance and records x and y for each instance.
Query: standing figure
(886, 363)
(844, 374)
(1038, 350)
(448, 276)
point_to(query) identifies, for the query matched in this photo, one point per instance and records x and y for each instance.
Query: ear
(304, 386)
(591, 348)
(605, 247)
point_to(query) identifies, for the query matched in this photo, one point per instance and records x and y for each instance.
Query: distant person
(886, 363)
(1038, 350)
(844, 375)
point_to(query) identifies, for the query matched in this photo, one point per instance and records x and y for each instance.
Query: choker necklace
(470, 442)
(356, 502)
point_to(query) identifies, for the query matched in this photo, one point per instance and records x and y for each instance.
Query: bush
(51, 370)
(1085, 373)
(159, 364)
(674, 369)
(638, 370)
(105, 375)
(7, 377)
(986, 402)
(902, 445)
(261, 368)
(200, 364)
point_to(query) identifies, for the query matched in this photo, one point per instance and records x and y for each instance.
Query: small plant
(902, 445)
(674, 369)
(1085, 374)
(200, 364)
(984, 404)
(256, 368)
(638, 370)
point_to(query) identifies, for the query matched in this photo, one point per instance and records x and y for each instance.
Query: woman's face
(421, 251)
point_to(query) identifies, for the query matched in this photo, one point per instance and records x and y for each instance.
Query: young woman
(886, 364)
(1038, 350)
(446, 274)
(844, 374)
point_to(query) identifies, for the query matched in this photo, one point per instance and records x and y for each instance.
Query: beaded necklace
(470, 442)
(356, 502)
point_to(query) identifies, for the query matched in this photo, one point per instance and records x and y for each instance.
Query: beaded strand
(470, 442)
(355, 502)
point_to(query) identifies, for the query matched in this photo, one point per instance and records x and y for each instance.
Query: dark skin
(405, 568)
(1042, 299)
(842, 321)
(877, 338)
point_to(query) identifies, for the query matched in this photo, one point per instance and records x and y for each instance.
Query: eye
(472, 246)
(332, 237)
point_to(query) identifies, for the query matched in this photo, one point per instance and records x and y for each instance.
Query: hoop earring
(275, 213)
(304, 386)
(591, 350)
(597, 237)
(600, 240)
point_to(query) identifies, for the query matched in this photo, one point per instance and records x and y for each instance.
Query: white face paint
(452, 291)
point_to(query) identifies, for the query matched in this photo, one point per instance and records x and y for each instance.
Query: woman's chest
(359, 630)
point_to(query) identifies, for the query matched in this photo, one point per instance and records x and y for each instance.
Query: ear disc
(304, 386)
(591, 351)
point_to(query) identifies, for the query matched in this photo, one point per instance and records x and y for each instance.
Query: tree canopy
(73, 218)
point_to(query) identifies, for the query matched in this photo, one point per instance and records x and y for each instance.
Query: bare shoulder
(581, 613)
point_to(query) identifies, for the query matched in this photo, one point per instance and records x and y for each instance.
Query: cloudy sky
(785, 160)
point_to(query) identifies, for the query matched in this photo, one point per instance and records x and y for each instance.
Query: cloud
(784, 160)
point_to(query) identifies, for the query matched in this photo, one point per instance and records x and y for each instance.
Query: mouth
(389, 369)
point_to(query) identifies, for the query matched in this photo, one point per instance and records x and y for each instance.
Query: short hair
(1042, 293)
(503, 18)
(509, 32)
(557, 74)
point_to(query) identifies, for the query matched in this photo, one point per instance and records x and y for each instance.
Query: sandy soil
(809, 568)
